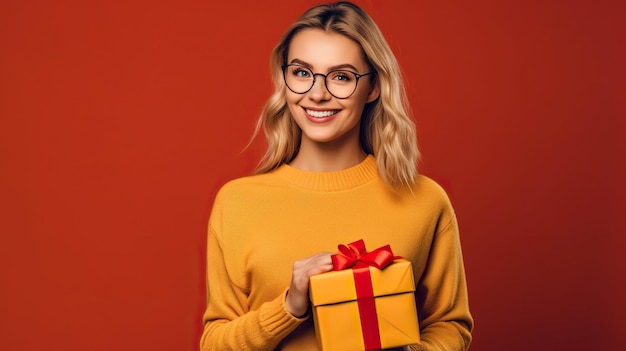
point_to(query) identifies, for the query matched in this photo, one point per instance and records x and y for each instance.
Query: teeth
(321, 113)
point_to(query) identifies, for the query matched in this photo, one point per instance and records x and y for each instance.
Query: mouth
(320, 113)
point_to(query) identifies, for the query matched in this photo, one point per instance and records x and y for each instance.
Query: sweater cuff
(276, 320)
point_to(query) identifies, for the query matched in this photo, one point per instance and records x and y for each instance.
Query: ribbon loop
(355, 254)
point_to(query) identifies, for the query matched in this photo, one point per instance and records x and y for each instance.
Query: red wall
(120, 120)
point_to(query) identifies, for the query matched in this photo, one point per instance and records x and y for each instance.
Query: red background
(120, 120)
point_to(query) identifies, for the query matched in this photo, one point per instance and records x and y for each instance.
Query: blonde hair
(387, 131)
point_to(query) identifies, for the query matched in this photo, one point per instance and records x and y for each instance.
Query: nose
(319, 92)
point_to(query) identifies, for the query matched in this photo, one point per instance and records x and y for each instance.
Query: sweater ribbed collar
(348, 178)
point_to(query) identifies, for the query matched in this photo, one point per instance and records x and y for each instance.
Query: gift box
(360, 306)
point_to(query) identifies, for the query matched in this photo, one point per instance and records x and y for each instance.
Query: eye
(300, 72)
(341, 76)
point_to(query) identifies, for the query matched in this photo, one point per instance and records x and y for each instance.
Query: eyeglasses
(339, 83)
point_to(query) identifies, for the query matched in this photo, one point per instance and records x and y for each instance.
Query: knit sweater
(260, 225)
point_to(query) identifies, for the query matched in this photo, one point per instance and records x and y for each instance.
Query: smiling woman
(340, 166)
(385, 128)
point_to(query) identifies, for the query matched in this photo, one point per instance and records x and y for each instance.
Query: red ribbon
(356, 257)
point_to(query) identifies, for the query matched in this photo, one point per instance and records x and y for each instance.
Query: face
(322, 117)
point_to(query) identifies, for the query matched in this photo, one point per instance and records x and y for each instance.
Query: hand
(297, 300)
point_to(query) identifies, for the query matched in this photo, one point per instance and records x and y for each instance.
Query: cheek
(290, 97)
(292, 101)
(357, 105)
(363, 92)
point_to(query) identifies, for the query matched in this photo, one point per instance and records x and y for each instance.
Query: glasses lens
(299, 79)
(341, 83)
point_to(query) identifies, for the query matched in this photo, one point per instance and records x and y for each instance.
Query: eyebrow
(332, 68)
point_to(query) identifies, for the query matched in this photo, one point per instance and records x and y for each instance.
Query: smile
(321, 114)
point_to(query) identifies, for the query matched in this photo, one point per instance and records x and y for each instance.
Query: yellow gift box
(338, 323)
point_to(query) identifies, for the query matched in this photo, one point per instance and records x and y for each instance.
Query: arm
(228, 322)
(441, 294)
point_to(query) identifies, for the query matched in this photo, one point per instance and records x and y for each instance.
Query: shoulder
(246, 184)
(240, 193)
(246, 187)
(428, 195)
(428, 187)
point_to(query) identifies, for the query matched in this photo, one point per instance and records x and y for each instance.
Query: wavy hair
(386, 131)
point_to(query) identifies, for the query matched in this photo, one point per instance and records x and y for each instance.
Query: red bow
(354, 254)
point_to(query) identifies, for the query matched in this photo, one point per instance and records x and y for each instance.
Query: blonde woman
(340, 166)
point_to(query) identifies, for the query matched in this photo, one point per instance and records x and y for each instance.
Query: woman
(340, 166)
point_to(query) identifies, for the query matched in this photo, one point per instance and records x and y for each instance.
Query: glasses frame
(356, 84)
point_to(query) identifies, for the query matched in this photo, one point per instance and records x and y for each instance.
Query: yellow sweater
(261, 224)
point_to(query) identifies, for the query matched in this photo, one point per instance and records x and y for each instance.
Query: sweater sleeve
(228, 322)
(441, 294)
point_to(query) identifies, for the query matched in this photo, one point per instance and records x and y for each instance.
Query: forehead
(322, 50)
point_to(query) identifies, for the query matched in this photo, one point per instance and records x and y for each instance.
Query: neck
(326, 157)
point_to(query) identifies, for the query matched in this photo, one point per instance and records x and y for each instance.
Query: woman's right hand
(297, 300)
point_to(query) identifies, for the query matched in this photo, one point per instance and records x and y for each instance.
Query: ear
(374, 91)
